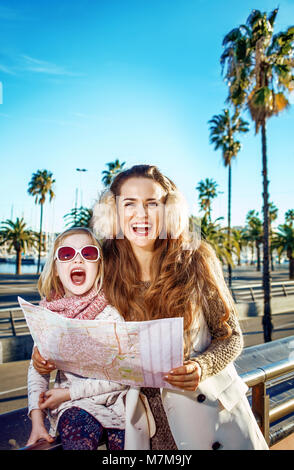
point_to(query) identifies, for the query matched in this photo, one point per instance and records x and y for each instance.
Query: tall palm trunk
(291, 264)
(266, 321)
(271, 253)
(40, 239)
(252, 254)
(257, 244)
(18, 261)
(272, 262)
(229, 224)
(209, 212)
(291, 268)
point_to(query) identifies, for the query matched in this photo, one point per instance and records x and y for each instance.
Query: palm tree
(207, 192)
(240, 241)
(213, 233)
(223, 127)
(113, 169)
(40, 185)
(289, 217)
(259, 68)
(250, 243)
(254, 232)
(283, 240)
(79, 217)
(19, 238)
(273, 215)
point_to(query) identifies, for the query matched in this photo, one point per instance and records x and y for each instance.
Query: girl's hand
(53, 398)
(186, 377)
(40, 364)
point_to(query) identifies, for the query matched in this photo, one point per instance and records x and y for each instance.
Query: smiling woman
(155, 269)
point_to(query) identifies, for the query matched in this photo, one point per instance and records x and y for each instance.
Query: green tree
(223, 128)
(40, 186)
(207, 192)
(283, 241)
(259, 72)
(19, 238)
(273, 215)
(240, 240)
(289, 217)
(213, 233)
(78, 217)
(254, 233)
(249, 243)
(113, 169)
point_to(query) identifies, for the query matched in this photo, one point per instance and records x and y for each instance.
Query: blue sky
(88, 81)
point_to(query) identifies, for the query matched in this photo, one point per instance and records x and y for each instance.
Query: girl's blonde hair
(182, 280)
(49, 284)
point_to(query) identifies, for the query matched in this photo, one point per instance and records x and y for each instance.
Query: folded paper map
(132, 353)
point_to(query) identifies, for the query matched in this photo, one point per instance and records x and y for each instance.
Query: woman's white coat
(222, 420)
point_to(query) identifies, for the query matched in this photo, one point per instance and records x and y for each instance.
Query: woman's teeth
(78, 276)
(141, 229)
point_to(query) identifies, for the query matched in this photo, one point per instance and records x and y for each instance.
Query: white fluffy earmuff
(104, 220)
(176, 214)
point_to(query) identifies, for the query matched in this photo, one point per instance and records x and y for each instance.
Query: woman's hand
(40, 364)
(186, 377)
(53, 398)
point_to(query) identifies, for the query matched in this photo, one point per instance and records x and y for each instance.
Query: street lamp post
(80, 170)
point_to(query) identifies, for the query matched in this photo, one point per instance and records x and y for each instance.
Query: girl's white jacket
(216, 416)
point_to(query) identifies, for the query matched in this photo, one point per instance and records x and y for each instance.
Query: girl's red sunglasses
(68, 253)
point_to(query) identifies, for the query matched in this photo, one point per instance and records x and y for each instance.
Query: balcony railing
(258, 380)
(12, 322)
(254, 292)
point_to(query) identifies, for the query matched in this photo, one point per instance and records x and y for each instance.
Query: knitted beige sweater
(221, 351)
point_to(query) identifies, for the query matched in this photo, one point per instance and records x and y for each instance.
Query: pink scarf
(83, 307)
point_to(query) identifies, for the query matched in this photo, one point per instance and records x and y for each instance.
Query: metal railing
(12, 321)
(253, 292)
(14, 318)
(257, 380)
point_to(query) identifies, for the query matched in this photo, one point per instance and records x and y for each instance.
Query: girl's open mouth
(78, 276)
(142, 230)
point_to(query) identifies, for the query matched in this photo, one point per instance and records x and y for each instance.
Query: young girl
(79, 408)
